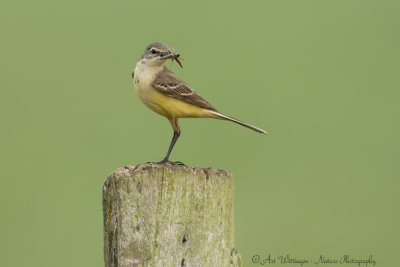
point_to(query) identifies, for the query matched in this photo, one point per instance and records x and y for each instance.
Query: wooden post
(163, 215)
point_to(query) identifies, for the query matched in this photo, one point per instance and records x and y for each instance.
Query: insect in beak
(173, 56)
(176, 58)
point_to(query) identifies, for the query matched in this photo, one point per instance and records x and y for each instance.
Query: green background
(321, 76)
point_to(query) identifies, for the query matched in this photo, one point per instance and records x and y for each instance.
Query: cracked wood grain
(163, 215)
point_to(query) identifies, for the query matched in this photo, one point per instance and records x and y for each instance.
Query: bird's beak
(173, 56)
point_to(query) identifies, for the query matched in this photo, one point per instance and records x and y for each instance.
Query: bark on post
(162, 215)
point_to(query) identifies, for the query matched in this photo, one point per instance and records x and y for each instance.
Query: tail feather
(222, 116)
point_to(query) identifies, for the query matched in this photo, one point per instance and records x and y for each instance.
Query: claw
(164, 161)
(180, 163)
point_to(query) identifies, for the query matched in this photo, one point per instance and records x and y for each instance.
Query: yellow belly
(171, 107)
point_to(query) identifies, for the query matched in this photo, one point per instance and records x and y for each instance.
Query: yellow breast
(164, 105)
(170, 107)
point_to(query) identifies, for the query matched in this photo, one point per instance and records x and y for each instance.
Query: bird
(165, 93)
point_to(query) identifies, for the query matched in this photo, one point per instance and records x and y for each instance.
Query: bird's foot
(180, 163)
(166, 161)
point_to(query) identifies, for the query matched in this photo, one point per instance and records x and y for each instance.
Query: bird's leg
(171, 146)
(177, 133)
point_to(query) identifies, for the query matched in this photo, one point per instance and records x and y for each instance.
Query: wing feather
(167, 83)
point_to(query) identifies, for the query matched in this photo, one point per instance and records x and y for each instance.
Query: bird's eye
(153, 51)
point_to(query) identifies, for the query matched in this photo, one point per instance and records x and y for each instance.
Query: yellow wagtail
(166, 94)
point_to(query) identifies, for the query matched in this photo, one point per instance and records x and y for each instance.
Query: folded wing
(167, 83)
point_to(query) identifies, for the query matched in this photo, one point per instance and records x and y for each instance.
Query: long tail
(222, 116)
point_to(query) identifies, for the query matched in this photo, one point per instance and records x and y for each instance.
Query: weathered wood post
(163, 215)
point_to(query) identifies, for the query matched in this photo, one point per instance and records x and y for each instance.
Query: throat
(144, 77)
(146, 72)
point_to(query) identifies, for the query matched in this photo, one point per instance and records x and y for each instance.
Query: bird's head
(157, 53)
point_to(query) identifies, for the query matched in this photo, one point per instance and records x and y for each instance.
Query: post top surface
(129, 170)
